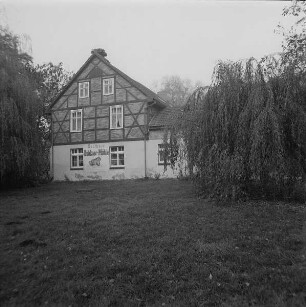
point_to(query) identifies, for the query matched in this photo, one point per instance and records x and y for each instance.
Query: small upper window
(76, 120)
(83, 89)
(116, 117)
(108, 86)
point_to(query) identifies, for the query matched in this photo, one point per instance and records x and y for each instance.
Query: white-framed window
(77, 158)
(84, 89)
(116, 156)
(116, 117)
(108, 86)
(76, 120)
(161, 154)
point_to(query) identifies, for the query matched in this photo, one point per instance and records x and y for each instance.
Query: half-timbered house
(105, 125)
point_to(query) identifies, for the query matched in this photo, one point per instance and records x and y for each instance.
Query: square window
(108, 86)
(116, 117)
(83, 89)
(117, 156)
(76, 120)
(77, 158)
(161, 154)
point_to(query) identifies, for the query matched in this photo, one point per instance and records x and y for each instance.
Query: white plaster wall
(134, 162)
(153, 168)
(180, 169)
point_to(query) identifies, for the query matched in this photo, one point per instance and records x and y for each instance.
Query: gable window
(116, 117)
(108, 86)
(77, 158)
(83, 89)
(116, 156)
(76, 120)
(161, 154)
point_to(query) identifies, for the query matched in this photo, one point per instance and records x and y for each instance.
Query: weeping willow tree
(21, 150)
(247, 132)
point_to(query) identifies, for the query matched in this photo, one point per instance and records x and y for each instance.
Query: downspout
(145, 142)
(145, 156)
(146, 136)
(52, 149)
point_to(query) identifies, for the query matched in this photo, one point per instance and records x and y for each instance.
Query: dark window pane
(73, 124)
(79, 123)
(114, 120)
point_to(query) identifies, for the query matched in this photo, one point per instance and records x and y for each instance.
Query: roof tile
(165, 117)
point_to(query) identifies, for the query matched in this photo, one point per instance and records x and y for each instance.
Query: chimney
(100, 51)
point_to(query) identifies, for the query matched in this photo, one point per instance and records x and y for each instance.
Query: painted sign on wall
(93, 155)
(95, 161)
(96, 150)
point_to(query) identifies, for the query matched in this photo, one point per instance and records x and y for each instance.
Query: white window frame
(116, 150)
(161, 161)
(79, 154)
(79, 114)
(84, 89)
(108, 86)
(117, 114)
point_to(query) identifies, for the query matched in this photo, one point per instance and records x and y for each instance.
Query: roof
(146, 91)
(165, 117)
(95, 53)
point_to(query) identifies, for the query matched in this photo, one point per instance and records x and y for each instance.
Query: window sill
(76, 168)
(116, 128)
(163, 163)
(108, 94)
(75, 131)
(83, 97)
(117, 167)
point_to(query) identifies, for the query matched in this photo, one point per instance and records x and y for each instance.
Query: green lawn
(139, 243)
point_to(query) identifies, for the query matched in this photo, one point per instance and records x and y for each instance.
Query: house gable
(133, 97)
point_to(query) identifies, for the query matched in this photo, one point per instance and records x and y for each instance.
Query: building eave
(60, 94)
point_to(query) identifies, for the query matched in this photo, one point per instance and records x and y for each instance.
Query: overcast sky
(148, 40)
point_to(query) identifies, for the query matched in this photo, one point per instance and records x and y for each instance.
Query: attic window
(108, 86)
(83, 89)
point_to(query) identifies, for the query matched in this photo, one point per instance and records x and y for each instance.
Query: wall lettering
(99, 152)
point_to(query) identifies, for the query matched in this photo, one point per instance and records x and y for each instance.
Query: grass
(148, 243)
